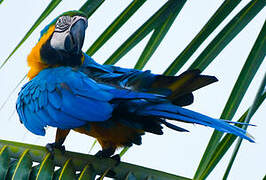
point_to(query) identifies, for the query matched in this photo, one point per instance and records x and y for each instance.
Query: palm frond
(71, 165)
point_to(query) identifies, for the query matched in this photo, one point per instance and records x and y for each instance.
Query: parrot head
(60, 43)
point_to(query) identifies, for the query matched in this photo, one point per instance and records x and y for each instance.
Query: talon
(105, 153)
(52, 146)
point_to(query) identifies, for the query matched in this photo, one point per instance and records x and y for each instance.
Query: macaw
(70, 91)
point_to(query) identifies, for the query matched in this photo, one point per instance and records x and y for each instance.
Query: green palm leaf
(4, 161)
(76, 162)
(247, 74)
(251, 111)
(227, 34)
(115, 26)
(226, 143)
(156, 38)
(155, 21)
(90, 6)
(46, 168)
(23, 166)
(224, 10)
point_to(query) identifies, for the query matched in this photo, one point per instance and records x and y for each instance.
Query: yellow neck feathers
(34, 58)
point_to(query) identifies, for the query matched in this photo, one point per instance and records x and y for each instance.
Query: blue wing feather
(90, 89)
(63, 120)
(42, 99)
(51, 86)
(34, 124)
(63, 98)
(36, 94)
(45, 117)
(86, 109)
(55, 99)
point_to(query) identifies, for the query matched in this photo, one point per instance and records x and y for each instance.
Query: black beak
(74, 41)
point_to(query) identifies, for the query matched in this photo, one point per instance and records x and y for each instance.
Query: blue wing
(62, 98)
(178, 89)
(66, 98)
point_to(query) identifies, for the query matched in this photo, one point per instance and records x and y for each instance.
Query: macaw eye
(63, 23)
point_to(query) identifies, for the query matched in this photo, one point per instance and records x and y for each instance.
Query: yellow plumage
(34, 58)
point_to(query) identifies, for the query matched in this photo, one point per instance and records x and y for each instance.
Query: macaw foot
(56, 145)
(107, 153)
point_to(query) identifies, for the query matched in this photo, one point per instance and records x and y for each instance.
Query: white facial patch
(58, 40)
(62, 30)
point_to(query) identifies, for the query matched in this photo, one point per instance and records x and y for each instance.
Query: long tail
(183, 85)
(178, 89)
(170, 111)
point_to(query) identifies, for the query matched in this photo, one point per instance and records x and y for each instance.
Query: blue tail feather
(173, 112)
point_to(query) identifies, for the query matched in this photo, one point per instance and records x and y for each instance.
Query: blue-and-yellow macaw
(69, 90)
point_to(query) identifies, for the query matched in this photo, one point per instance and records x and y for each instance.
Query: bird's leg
(60, 137)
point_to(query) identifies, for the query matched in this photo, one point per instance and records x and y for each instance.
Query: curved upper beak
(75, 39)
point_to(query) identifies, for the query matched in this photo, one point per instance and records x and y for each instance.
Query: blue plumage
(174, 112)
(66, 98)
